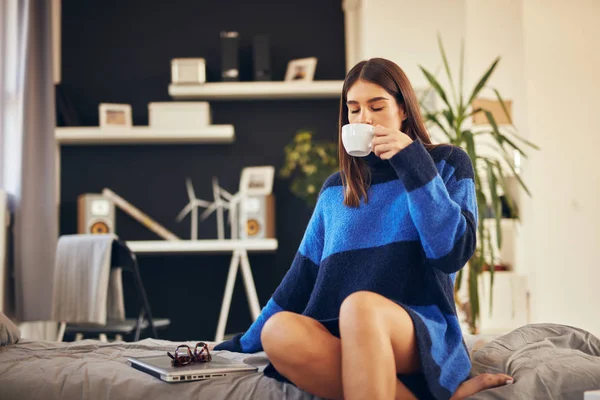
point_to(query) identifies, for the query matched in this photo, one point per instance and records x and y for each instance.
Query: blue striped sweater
(407, 243)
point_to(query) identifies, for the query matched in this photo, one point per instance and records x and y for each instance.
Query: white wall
(405, 32)
(562, 233)
(550, 53)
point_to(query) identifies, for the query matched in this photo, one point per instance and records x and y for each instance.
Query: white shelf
(258, 90)
(202, 246)
(143, 135)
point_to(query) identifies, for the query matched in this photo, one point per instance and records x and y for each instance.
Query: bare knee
(282, 340)
(360, 309)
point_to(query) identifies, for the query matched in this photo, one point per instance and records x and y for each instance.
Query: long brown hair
(354, 171)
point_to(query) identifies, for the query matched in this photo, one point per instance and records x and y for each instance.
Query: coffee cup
(357, 139)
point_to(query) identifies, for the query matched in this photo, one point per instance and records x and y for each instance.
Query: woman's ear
(403, 115)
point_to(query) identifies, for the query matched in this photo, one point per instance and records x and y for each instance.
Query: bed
(547, 361)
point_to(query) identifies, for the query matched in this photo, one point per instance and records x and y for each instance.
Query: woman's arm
(444, 213)
(293, 292)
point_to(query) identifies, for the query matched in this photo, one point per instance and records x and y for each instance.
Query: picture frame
(257, 181)
(115, 115)
(301, 70)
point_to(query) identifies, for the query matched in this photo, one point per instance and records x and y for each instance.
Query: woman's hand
(388, 142)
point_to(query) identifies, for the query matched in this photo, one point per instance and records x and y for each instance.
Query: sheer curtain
(28, 151)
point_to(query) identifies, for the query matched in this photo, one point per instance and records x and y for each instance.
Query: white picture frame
(257, 181)
(115, 115)
(301, 70)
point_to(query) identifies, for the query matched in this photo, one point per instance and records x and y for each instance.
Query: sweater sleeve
(443, 211)
(293, 292)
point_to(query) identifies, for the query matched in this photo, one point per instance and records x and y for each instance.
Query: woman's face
(369, 103)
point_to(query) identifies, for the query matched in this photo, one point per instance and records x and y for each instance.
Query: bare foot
(479, 383)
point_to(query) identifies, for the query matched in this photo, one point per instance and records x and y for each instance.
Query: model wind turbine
(217, 205)
(192, 207)
(255, 181)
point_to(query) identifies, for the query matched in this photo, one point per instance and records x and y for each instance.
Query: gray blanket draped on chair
(86, 289)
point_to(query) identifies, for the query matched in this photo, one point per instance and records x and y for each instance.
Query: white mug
(357, 139)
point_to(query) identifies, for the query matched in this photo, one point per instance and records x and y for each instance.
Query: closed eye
(374, 109)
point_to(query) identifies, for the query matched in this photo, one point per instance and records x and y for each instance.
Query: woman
(377, 263)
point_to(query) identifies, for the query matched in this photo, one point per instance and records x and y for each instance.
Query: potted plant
(308, 163)
(491, 174)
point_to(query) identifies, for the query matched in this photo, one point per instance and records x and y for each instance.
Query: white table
(239, 250)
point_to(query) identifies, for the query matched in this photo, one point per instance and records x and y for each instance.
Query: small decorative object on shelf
(230, 69)
(176, 115)
(188, 70)
(257, 208)
(261, 58)
(302, 69)
(95, 214)
(192, 209)
(115, 115)
(251, 209)
(138, 215)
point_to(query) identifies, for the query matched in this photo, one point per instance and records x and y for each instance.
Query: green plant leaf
(483, 80)
(499, 136)
(470, 145)
(474, 111)
(433, 118)
(473, 294)
(447, 67)
(517, 176)
(459, 278)
(461, 105)
(496, 202)
(514, 212)
(506, 113)
(436, 86)
(492, 269)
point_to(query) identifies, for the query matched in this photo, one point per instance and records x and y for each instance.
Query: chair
(121, 257)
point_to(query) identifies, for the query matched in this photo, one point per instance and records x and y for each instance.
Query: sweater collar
(381, 170)
(376, 164)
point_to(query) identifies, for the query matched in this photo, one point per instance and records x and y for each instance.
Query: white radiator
(4, 223)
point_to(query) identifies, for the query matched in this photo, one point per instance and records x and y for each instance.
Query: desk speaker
(257, 217)
(230, 68)
(261, 58)
(95, 214)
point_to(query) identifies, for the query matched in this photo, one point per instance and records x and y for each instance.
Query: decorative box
(179, 115)
(188, 70)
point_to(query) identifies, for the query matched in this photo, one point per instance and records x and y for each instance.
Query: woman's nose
(365, 118)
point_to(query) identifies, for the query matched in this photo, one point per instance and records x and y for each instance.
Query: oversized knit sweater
(406, 243)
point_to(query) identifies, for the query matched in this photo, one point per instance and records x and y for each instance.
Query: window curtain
(28, 152)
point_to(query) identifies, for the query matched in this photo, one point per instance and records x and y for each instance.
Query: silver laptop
(161, 368)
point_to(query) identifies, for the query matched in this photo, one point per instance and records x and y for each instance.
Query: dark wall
(120, 52)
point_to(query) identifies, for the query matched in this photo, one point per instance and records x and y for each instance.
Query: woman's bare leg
(303, 351)
(378, 341)
(306, 353)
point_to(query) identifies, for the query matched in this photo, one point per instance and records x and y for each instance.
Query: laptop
(161, 368)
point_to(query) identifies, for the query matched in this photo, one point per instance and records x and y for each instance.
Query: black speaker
(230, 68)
(261, 56)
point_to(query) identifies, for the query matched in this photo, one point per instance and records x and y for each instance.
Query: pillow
(9, 333)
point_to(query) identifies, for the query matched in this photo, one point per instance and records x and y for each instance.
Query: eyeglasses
(183, 355)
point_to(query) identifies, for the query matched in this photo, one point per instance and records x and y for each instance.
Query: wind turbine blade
(208, 211)
(190, 189)
(202, 203)
(225, 194)
(184, 212)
